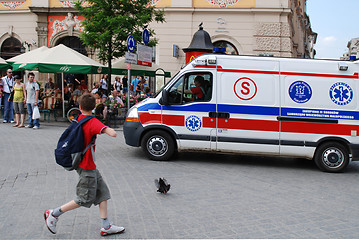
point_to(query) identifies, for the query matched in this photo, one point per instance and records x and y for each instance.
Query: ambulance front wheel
(332, 157)
(158, 145)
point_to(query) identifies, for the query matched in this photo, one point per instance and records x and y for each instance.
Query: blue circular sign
(300, 92)
(341, 93)
(146, 36)
(131, 44)
(193, 123)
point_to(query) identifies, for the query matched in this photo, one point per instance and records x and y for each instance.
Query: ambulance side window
(192, 87)
(174, 93)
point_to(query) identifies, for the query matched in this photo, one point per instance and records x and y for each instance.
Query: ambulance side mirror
(164, 98)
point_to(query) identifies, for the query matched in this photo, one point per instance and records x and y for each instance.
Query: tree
(108, 23)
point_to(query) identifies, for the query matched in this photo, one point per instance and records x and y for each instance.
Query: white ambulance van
(288, 107)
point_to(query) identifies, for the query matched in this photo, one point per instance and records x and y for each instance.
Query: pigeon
(162, 185)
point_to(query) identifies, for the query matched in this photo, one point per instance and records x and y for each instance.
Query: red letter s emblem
(245, 86)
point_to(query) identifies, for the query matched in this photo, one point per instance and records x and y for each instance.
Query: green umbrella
(119, 67)
(3, 64)
(62, 59)
(21, 60)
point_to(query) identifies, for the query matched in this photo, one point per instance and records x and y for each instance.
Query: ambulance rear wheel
(158, 145)
(332, 157)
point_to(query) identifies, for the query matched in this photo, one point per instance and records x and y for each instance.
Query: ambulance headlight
(132, 115)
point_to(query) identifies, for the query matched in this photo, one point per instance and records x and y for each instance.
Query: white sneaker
(12, 121)
(4, 121)
(112, 230)
(35, 127)
(50, 221)
(29, 126)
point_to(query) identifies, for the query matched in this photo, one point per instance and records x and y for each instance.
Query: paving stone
(212, 195)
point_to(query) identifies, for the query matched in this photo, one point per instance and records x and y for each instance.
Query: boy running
(91, 188)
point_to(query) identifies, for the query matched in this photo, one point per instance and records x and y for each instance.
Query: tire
(73, 113)
(158, 145)
(332, 157)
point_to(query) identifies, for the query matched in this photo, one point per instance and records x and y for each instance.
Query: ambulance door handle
(212, 114)
(219, 115)
(223, 115)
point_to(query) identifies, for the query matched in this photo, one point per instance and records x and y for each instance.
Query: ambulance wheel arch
(158, 144)
(332, 156)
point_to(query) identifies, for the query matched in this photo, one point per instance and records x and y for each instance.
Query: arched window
(11, 47)
(230, 48)
(73, 42)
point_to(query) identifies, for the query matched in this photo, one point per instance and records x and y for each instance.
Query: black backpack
(70, 147)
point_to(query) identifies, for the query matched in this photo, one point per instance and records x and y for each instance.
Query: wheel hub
(157, 146)
(333, 158)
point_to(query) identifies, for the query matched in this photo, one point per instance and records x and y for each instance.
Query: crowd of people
(15, 95)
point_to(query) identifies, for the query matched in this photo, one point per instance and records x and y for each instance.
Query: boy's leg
(107, 227)
(51, 215)
(103, 209)
(69, 206)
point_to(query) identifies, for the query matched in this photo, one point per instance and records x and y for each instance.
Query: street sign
(175, 51)
(144, 55)
(130, 58)
(131, 44)
(146, 36)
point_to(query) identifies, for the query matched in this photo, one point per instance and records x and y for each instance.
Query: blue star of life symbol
(193, 123)
(341, 93)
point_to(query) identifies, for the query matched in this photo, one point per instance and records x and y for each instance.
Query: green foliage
(108, 23)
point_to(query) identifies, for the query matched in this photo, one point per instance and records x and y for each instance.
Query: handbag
(36, 113)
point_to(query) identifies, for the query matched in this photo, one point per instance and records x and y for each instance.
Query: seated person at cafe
(49, 84)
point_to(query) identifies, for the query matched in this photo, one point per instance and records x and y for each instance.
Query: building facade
(246, 27)
(353, 50)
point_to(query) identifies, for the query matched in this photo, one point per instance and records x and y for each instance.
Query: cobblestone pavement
(212, 195)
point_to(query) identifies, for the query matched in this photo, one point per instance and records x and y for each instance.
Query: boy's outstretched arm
(110, 131)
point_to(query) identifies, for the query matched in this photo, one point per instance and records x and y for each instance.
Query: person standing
(8, 84)
(19, 101)
(134, 84)
(91, 188)
(124, 85)
(1, 89)
(32, 89)
(117, 85)
(103, 83)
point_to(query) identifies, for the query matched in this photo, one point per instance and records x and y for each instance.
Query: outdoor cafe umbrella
(119, 67)
(28, 57)
(62, 59)
(3, 64)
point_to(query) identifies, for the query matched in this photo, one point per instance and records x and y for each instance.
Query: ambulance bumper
(132, 132)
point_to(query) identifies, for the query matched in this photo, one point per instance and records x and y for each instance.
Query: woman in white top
(117, 85)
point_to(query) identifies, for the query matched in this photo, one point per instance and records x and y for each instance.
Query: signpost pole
(128, 86)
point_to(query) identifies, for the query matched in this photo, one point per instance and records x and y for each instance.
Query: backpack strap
(90, 146)
(85, 119)
(92, 143)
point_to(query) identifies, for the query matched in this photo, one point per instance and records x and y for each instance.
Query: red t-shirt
(90, 128)
(198, 92)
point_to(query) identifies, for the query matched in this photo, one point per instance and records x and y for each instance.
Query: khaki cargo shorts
(91, 188)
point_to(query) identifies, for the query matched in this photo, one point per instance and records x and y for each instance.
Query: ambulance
(300, 108)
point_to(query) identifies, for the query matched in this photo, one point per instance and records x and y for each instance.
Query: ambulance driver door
(190, 100)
